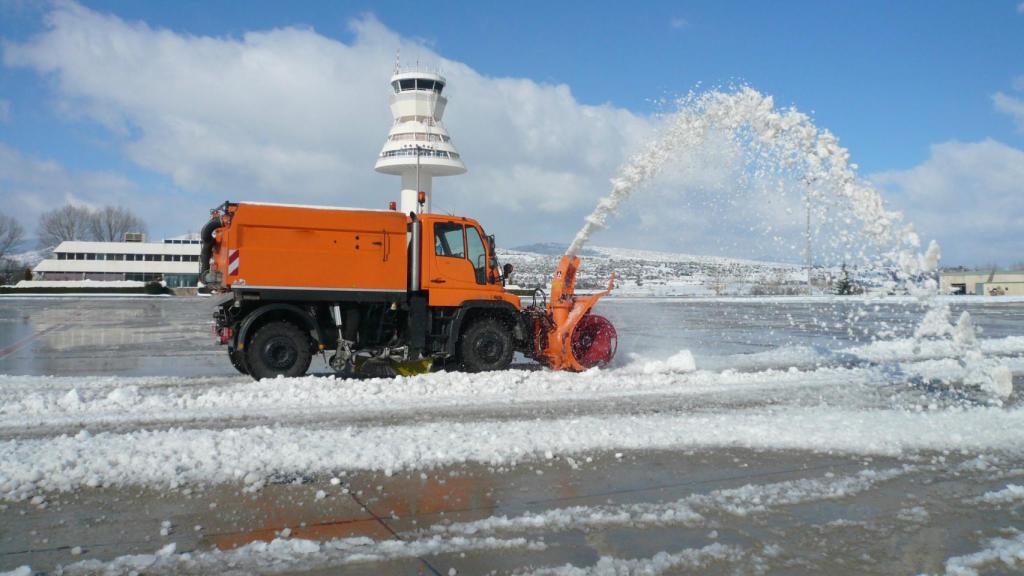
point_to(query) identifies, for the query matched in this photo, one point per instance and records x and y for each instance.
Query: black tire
(485, 346)
(278, 349)
(238, 361)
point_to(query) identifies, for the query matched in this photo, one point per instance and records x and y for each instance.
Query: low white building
(992, 283)
(174, 261)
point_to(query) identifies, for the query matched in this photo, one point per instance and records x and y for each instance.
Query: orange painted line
(23, 342)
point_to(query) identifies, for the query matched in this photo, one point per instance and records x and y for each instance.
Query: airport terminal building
(993, 283)
(174, 261)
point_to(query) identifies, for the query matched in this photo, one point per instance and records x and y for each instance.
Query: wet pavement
(909, 526)
(167, 336)
(116, 336)
(928, 511)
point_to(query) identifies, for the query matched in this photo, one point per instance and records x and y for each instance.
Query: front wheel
(278, 349)
(486, 345)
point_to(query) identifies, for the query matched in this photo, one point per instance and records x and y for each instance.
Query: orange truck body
(373, 285)
(307, 247)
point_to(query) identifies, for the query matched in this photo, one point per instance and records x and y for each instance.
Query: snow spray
(778, 143)
(785, 144)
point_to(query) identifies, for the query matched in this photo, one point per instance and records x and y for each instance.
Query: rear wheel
(486, 345)
(238, 361)
(278, 349)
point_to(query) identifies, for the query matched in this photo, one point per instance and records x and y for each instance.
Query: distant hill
(32, 257)
(551, 249)
(651, 273)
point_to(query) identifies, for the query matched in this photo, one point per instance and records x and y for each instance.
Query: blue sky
(892, 80)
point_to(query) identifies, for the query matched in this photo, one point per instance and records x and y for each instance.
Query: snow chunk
(681, 361)
(661, 563)
(1012, 494)
(1006, 551)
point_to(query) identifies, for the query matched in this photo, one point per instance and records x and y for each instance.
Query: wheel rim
(489, 348)
(279, 353)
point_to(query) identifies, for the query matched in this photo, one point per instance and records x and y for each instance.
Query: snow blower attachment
(567, 336)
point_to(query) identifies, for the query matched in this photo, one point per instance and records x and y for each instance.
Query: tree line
(69, 222)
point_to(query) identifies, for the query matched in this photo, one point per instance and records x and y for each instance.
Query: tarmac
(909, 524)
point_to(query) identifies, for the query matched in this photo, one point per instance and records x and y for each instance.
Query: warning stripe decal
(233, 262)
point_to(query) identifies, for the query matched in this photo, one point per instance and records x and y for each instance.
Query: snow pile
(171, 458)
(291, 555)
(79, 284)
(1000, 553)
(63, 402)
(981, 372)
(1012, 494)
(48, 401)
(681, 361)
(690, 559)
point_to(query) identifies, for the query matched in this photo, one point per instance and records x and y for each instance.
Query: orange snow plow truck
(380, 293)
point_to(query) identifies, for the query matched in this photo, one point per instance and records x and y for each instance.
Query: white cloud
(31, 185)
(290, 115)
(678, 23)
(1010, 105)
(969, 197)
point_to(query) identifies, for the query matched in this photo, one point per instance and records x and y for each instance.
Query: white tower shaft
(411, 187)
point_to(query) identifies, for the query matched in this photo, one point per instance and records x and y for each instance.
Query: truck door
(453, 278)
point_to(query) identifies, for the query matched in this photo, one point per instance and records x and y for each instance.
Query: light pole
(807, 229)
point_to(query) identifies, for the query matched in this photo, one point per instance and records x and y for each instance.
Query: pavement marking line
(391, 531)
(7, 351)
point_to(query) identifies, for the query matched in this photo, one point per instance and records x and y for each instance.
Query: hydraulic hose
(206, 236)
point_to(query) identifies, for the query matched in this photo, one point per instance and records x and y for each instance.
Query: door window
(477, 254)
(448, 240)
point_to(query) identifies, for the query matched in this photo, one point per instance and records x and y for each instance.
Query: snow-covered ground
(79, 284)
(729, 436)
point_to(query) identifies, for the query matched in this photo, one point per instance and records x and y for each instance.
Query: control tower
(418, 147)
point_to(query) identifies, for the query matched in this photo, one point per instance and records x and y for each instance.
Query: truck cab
(459, 263)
